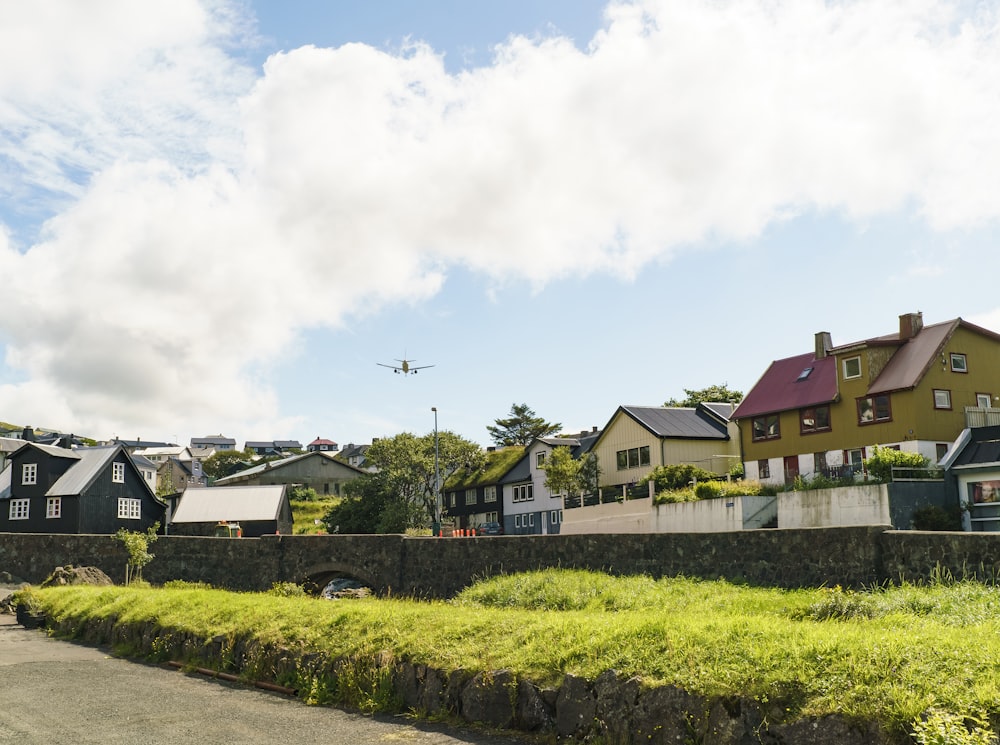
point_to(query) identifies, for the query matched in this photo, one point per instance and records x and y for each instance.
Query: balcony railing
(976, 416)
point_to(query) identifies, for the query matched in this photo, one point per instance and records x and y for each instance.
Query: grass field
(306, 513)
(892, 654)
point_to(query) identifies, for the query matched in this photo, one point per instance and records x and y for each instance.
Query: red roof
(319, 441)
(786, 386)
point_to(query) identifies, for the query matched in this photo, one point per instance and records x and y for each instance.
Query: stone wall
(440, 567)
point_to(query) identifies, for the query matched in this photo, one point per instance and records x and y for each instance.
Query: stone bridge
(440, 567)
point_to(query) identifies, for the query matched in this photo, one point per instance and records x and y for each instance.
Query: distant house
(323, 472)
(819, 413)
(355, 455)
(260, 510)
(218, 442)
(637, 439)
(147, 468)
(47, 489)
(7, 446)
(529, 507)
(472, 498)
(271, 447)
(321, 445)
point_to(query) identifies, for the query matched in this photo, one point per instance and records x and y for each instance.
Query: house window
(118, 473)
(470, 496)
(855, 459)
(764, 469)
(531, 520)
(941, 450)
(555, 517)
(958, 363)
(766, 427)
(19, 509)
(632, 458)
(129, 509)
(524, 493)
(490, 495)
(852, 368)
(29, 473)
(451, 499)
(491, 517)
(874, 409)
(942, 399)
(984, 400)
(53, 507)
(539, 459)
(517, 521)
(814, 419)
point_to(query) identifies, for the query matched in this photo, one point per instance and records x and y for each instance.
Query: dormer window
(29, 473)
(852, 368)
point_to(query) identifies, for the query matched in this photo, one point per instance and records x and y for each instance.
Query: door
(791, 468)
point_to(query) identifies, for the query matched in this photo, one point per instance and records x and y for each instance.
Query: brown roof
(782, 387)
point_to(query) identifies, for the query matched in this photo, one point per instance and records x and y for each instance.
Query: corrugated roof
(781, 387)
(210, 504)
(913, 358)
(5, 481)
(678, 423)
(81, 475)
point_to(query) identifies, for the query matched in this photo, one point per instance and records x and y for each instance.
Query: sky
(218, 216)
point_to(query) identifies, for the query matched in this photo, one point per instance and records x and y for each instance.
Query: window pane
(622, 460)
(882, 407)
(633, 458)
(942, 399)
(823, 417)
(852, 367)
(865, 411)
(644, 456)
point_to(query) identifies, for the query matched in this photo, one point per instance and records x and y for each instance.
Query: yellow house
(915, 390)
(637, 439)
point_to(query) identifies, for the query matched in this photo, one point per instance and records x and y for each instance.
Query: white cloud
(214, 217)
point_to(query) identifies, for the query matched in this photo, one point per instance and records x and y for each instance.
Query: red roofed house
(915, 390)
(321, 445)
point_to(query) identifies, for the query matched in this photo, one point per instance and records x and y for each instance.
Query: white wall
(866, 504)
(642, 516)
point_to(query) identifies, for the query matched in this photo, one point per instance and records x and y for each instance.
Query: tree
(224, 463)
(566, 475)
(137, 545)
(521, 427)
(712, 394)
(400, 494)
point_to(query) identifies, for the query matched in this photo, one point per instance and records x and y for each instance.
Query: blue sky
(218, 217)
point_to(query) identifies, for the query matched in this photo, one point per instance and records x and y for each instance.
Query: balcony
(976, 416)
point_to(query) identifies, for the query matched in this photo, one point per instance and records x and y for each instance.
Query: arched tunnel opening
(336, 583)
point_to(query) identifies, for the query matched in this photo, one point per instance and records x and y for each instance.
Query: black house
(46, 489)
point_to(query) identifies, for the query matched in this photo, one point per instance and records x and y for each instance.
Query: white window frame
(848, 376)
(555, 517)
(470, 497)
(29, 474)
(531, 519)
(53, 508)
(490, 495)
(963, 363)
(942, 398)
(19, 509)
(491, 517)
(517, 521)
(118, 473)
(129, 509)
(984, 401)
(539, 459)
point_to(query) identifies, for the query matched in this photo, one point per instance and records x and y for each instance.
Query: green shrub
(937, 518)
(708, 490)
(944, 728)
(666, 478)
(286, 590)
(883, 459)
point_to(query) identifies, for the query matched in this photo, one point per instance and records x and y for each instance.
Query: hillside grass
(305, 513)
(890, 655)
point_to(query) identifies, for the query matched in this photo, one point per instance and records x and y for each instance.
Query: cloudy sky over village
(218, 216)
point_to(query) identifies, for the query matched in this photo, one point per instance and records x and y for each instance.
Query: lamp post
(437, 478)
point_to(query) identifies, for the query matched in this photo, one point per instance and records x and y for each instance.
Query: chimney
(824, 343)
(28, 435)
(910, 325)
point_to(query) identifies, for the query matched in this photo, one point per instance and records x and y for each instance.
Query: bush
(883, 459)
(666, 478)
(937, 518)
(944, 728)
(708, 490)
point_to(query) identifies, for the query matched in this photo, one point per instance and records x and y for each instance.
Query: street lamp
(437, 477)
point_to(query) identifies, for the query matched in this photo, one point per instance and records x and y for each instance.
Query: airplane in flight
(405, 366)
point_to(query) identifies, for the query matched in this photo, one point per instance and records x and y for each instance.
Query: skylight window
(804, 374)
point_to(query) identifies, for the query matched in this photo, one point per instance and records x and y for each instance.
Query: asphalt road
(59, 692)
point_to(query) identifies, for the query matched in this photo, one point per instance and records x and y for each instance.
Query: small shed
(260, 510)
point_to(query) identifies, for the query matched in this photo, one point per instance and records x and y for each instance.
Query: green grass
(306, 512)
(888, 655)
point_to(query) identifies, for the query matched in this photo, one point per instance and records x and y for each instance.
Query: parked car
(490, 529)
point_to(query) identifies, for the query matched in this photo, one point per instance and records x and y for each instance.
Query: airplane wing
(391, 367)
(422, 367)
